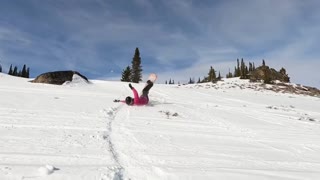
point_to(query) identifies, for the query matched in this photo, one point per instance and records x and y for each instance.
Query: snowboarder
(136, 100)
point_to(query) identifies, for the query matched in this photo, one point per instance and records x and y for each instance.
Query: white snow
(229, 130)
(46, 170)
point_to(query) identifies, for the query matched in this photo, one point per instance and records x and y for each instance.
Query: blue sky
(177, 39)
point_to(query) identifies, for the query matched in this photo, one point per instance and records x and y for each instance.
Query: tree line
(242, 71)
(14, 71)
(133, 73)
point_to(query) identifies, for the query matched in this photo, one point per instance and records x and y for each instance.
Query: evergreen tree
(28, 73)
(24, 71)
(235, 72)
(166, 82)
(212, 75)
(170, 81)
(0, 68)
(229, 75)
(136, 69)
(199, 81)
(250, 67)
(126, 74)
(15, 71)
(238, 69)
(267, 76)
(219, 76)
(263, 62)
(242, 69)
(10, 70)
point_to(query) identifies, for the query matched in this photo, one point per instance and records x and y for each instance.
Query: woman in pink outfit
(136, 100)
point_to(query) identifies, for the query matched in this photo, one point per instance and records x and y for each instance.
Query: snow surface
(229, 130)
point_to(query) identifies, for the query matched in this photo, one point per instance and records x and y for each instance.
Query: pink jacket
(142, 100)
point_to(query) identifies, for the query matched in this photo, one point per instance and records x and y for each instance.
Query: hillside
(278, 86)
(230, 130)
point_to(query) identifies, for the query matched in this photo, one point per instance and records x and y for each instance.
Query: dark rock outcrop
(268, 75)
(57, 77)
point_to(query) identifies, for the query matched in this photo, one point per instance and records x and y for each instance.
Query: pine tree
(219, 76)
(267, 76)
(136, 69)
(238, 69)
(15, 71)
(263, 62)
(126, 74)
(24, 71)
(199, 81)
(242, 69)
(229, 75)
(250, 67)
(28, 73)
(10, 70)
(243, 72)
(212, 75)
(0, 68)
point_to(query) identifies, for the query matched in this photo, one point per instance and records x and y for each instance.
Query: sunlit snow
(230, 130)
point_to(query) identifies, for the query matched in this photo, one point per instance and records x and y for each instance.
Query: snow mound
(76, 81)
(46, 170)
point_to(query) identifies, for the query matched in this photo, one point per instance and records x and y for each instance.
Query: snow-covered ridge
(236, 83)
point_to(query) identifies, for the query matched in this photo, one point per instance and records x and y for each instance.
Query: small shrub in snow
(168, 114)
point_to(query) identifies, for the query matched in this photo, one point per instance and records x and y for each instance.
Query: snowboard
(153, 77)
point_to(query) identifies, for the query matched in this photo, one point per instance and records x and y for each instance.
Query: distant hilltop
(277, 86)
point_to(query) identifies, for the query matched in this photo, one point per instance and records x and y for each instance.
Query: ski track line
(51, 127)
(26, 154)
(111, 115)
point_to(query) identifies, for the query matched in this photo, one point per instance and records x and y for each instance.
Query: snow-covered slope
(223, 131)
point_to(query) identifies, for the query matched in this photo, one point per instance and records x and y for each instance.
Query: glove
(130, 86)
(116, 100)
